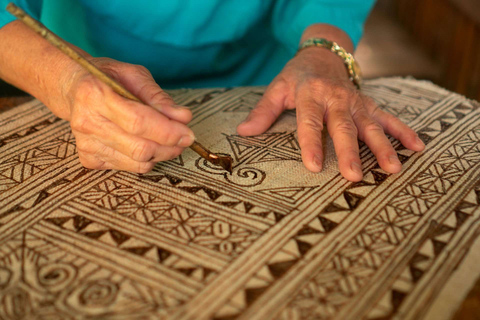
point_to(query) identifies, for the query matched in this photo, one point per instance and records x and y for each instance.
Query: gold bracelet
(351, 64)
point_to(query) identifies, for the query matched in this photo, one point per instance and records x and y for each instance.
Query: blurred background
(436, 40)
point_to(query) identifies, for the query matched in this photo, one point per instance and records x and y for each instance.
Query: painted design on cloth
(271, 241)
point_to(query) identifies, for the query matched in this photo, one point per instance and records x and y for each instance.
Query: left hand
(316, 83)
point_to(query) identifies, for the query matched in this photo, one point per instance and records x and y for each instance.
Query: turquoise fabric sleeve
(291, 18)
(32, 7)
(189, 43)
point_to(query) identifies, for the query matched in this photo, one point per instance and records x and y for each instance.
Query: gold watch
(351, 64)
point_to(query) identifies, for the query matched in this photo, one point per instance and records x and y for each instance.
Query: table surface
(470, 308)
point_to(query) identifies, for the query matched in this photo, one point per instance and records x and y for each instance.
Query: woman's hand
(113, 132)
(316, 83)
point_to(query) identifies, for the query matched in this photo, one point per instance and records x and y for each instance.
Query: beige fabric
(270, 241)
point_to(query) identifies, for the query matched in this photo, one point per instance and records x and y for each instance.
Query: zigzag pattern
(96, 231)
(174, 219)
(375, 244)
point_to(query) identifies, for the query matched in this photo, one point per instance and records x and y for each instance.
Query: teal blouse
(195, 43)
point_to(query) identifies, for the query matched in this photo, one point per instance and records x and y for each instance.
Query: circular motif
(246, 177)
(221, 229)
(98, 293)
(56, 276)
(226, 247)
(208, 167)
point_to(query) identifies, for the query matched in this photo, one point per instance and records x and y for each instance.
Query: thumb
(267, 110)
(139, 81)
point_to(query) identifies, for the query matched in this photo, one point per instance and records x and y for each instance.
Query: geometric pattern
(37, 277)
(270, 241)
(276, 146)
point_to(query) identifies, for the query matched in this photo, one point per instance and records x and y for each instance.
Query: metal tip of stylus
(226, 163)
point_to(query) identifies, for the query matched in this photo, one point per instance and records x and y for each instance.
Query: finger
(139, 81)
(136, 148)
(143, 121)
(310, 116)
(267, 110)
(371, 132)
(89, 161)
(344, 135)
(107, 158)
(395, 127)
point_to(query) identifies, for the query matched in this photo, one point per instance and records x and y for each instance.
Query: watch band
(352, 66)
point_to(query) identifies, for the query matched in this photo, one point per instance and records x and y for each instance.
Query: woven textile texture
(270, 241)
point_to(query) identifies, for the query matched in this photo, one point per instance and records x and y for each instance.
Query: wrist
(61, 94)
(332, 33)
(349, 61)
(332, 48)
(30, 63)
(324, 62)
(54, 88)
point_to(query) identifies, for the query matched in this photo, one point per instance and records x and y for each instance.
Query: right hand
(113, 132)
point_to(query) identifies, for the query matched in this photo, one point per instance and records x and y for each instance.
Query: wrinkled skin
(116, 133)
(316, 84)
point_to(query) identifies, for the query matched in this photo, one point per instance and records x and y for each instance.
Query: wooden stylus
(224, 161)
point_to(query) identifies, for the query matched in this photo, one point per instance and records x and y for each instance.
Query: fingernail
(394, 161)
(186, 141)
(317, 162)
(356, 168)
(419, 142)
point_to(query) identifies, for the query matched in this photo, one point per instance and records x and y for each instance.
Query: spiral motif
(98, 293)
(56, 276)
(241, 176)
(208, 167)
(246, 177)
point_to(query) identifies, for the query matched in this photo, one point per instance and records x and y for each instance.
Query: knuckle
(351, 152)
(142, 151)
(408, 134)
(169, 138)
(144, 167)
(88, 163)
(105, 151)
(264, 108)
(346, 127)
(255, 112)
(314, 123)
(376, 112)
(136, 125)
(171, 135)
(141, 69)
(82, 146)
(81, 124)
(370, 128)
(374, 127)
(153, 94)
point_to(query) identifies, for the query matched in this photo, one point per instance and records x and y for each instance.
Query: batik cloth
(270, 241)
